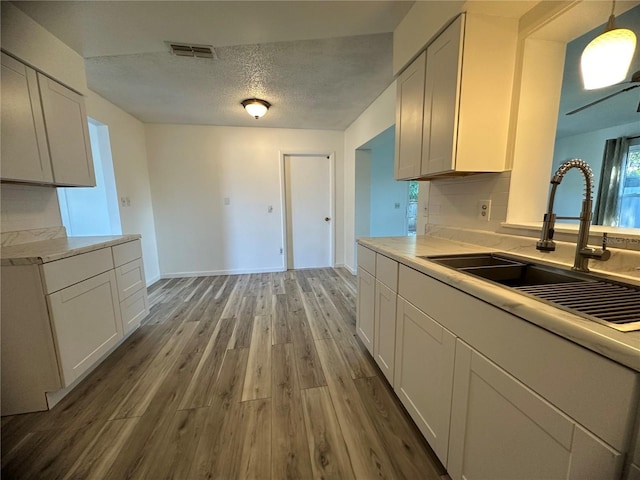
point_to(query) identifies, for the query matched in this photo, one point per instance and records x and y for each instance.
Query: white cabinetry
(86, 322)
(132, 288)
(424, 373)
(45, 136)
(384, 337)
(466, 97)
(25, 155)
(366, 296)
(501, 429)
(93, 302)
(409, 111)
(65, 119)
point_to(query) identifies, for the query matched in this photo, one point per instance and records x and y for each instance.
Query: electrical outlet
(484, 210)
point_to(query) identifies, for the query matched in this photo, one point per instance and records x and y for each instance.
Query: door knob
(326, 219)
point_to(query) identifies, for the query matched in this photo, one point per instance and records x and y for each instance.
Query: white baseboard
(151, 281)
(344, 265)
(215, 273)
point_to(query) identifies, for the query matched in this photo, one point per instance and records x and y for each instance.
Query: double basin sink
(600, 299)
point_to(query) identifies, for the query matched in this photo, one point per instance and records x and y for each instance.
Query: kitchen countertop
(622, 347)
(58, 248)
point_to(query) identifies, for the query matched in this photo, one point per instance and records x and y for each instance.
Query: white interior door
(309, 210)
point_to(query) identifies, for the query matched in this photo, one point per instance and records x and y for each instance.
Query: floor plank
(368, 456)
(401, 439)
(208, 388)
(326, 443)
(290, 457)
(257, 381)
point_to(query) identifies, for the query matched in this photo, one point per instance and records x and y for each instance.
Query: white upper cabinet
(68, 133)
(45, 135)
(25, 156)
(409, 111)
(459, 121)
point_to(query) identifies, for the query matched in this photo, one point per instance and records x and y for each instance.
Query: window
(630, 187)
(412, 208)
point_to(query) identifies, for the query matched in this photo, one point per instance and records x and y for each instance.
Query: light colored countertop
(58, 248)
(622, 347)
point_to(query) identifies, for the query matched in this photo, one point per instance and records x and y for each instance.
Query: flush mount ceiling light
(256, 107)
(605, 61)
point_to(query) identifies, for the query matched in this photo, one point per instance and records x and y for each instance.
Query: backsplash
(28, 207)
(454, 201)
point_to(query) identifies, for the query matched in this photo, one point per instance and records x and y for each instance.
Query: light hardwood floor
(250, 376)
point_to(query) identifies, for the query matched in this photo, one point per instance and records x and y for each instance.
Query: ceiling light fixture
(605, 61)
(256, 107)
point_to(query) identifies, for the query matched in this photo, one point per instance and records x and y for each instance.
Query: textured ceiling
(320, 64)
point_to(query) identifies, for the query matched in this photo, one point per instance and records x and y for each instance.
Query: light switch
(227, 200)
(270, 209)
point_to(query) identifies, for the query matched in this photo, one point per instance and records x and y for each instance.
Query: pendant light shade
(256, 107)
(605, 61)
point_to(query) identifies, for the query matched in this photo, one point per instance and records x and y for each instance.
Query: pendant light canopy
(605, 61)
(256, 107)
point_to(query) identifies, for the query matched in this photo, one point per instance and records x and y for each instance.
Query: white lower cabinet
(501, 429)
(60, 319)
(365, 308)
(86, 321)
(424, 358)
(384, 344)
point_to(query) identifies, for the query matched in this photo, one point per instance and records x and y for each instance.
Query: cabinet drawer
(367, 259)
(130, 278)
(69, 271)
(126, 252)
(134, 309)
(387, 271)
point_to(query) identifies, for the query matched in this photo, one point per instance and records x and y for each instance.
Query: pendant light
(605, 61)
(255, 107)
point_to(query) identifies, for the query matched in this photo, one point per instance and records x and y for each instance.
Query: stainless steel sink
(600, 299)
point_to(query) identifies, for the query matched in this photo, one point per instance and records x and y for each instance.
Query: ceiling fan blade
(602, 99)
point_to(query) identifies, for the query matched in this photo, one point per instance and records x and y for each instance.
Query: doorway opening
(384, 207)
(308, 225)
(93, 210)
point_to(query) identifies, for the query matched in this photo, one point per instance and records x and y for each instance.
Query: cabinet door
(423, 379)
(25, 155)
(365, 308)
(68, 134)
(86, 323)
(384, 343)
(441, 100)
(409, 110)
(500, 429)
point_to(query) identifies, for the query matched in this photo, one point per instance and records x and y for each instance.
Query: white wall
(24, 38)
(386, 220)
(129, 156)
(362, 193)
(590, 148)
(194, 168)
(379, 116)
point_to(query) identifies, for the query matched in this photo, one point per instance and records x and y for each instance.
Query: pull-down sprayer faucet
(583, 251)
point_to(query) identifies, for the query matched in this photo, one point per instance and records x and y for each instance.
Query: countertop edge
(617, 346)
(59, 248)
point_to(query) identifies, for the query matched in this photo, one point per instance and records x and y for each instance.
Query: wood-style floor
(250, 376)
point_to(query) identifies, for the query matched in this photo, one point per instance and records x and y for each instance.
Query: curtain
(611, 175)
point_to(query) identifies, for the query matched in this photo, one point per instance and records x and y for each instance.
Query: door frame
(283, 200)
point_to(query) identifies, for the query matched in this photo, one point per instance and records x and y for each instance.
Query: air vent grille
(187, 50)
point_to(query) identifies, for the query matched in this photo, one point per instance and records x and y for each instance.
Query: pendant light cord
(611, 21)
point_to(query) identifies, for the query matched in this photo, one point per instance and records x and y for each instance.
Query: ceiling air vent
(186, 50)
